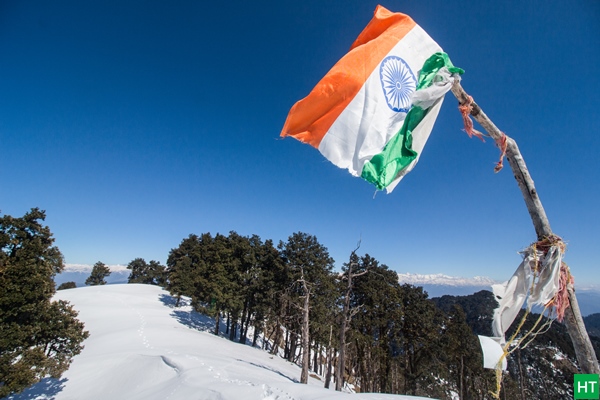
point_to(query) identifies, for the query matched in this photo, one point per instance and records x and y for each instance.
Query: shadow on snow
(270, 369)
(46, 389)
(190, 318)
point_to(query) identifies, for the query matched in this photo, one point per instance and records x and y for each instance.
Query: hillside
(592, 324)
(142, 347)
(544, 367)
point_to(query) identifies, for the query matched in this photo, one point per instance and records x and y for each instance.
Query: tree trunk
(521, 380)
(244, 327)
(287, 346)
(329, 356)
(217, 323)
(574, 322)
(233, 329)
(341, 364)
(316, 359)
(257, 331)
(305, 336)
(243, 324)
(293, 345)
(277, 338)
(462, 377)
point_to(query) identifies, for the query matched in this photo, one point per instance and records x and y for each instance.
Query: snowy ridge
(88, 268)
(142, 347)
(446, 280)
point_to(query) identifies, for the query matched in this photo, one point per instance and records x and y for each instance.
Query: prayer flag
(374, 110)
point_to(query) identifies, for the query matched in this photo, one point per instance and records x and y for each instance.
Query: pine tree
(181, 269)
(99, 272)
(197, 268)
(269, 281)
(38, 337)
(353, 269)
(152, 273)
(67, 285)
(462, 355)
(421, 328)
(375, 328)
(311, 265)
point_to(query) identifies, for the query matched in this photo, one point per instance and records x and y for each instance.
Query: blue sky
(134, 124)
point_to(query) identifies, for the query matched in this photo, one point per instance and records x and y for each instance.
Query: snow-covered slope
(142, 347)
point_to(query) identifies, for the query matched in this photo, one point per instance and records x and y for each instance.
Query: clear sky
(136, 123)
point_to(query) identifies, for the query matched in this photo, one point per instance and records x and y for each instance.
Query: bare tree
(346, 316)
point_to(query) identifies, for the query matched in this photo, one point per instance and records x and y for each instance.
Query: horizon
(415, 279)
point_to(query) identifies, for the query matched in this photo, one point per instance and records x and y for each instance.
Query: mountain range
(437, 285)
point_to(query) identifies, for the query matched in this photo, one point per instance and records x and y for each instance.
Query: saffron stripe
(310, 118)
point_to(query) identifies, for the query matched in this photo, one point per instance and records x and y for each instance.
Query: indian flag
(374, 110)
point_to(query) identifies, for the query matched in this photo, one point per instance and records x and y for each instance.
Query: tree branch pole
(584, 351)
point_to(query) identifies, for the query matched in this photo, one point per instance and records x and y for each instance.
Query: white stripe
(367, 124)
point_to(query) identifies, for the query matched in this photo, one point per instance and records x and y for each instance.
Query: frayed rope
(465, 110)
(556, 306)
(560, 302)
(501, 144)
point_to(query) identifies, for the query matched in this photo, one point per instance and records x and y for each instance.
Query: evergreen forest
(357, 328)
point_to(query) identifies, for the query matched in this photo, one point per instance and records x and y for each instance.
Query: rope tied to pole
(584, 350)
(560, 302)
(501, 144)
(548, 280)
(465, 109)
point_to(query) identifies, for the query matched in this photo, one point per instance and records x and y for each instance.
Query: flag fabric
(374, 110)
(492, 353)
(535, 282)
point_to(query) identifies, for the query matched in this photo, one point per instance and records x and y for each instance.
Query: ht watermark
(586, 386)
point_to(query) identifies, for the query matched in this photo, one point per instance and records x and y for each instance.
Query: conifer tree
(376, 326)
(353, 269)
(152, 273)
(38, 336)
(198, 268)
(421, 329)
(181, 267)
(99, 272)
(311, 265)
(269, 282)
(462, 354)
(67, 285)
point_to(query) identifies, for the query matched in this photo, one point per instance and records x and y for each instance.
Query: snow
(441, 279)
(88, 268)
(142, 347)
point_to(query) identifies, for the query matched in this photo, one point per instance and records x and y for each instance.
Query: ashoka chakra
(398, 83)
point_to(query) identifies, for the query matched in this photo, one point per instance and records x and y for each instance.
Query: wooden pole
(586, 357)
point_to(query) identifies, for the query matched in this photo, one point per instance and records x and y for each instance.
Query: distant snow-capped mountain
(437, 285)
(78, 273)
(445, 280)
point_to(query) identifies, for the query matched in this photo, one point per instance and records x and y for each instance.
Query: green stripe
(397, 154)
(431, 67)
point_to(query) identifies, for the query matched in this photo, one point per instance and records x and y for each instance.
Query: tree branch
(573, 320)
